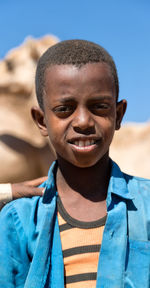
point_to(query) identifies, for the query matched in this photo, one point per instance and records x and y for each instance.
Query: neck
(78, 182)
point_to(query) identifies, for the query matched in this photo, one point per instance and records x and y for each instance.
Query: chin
(85, 164)
(82, 161)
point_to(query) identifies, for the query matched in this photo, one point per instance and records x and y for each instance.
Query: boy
(56, 241)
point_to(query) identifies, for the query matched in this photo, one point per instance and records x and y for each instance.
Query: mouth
(84, 144)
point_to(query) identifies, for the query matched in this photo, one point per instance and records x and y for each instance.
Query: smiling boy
(91, 227)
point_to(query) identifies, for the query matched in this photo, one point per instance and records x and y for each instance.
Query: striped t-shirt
(81, 242)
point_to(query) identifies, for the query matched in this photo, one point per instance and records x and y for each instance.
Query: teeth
(76, 143)
(87, 143)
(81, 143)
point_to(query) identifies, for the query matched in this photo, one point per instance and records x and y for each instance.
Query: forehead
(94, 76)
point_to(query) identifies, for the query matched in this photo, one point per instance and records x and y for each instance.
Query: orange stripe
(82, 284)
(80, 264)
(85, 237)
(61, 221)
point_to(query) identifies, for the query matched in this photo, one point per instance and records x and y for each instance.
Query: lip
(73, 139)
(84, 144)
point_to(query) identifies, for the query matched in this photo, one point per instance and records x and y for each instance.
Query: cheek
(108, 128)
(55, 131)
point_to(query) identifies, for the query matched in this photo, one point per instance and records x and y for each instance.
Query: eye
(99, 108)
(63, 111)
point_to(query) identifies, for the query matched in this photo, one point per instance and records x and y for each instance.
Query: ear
(39, 118)
(120, 111)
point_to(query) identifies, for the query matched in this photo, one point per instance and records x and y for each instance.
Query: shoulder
(138, 186)
(19, 213)
(134, 185)
(21, 205)
(134, 180)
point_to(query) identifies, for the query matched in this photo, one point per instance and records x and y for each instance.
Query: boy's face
(80, 112)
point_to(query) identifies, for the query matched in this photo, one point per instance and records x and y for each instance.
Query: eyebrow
(95, 98)
(67, 99)
(102, 97)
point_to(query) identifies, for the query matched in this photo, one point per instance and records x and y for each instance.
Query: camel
(24, 153)
(131, 149)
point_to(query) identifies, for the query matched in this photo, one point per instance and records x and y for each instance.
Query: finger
(36, 191)
(21, 190)
(36, 182)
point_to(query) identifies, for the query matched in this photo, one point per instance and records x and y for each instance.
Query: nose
(83, 121)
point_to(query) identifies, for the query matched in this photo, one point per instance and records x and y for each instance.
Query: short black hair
(73, 52)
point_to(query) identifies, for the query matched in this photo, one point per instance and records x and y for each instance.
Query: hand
(28, 188)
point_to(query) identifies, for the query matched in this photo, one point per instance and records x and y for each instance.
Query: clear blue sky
(122, 27)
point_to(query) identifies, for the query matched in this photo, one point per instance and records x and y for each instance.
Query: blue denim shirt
(30, 245)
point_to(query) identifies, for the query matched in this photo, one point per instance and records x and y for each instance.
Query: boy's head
(73, 52)
(77, 89)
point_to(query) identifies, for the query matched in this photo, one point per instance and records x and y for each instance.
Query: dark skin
(78, 197)
(80, 116)
(28, 188)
